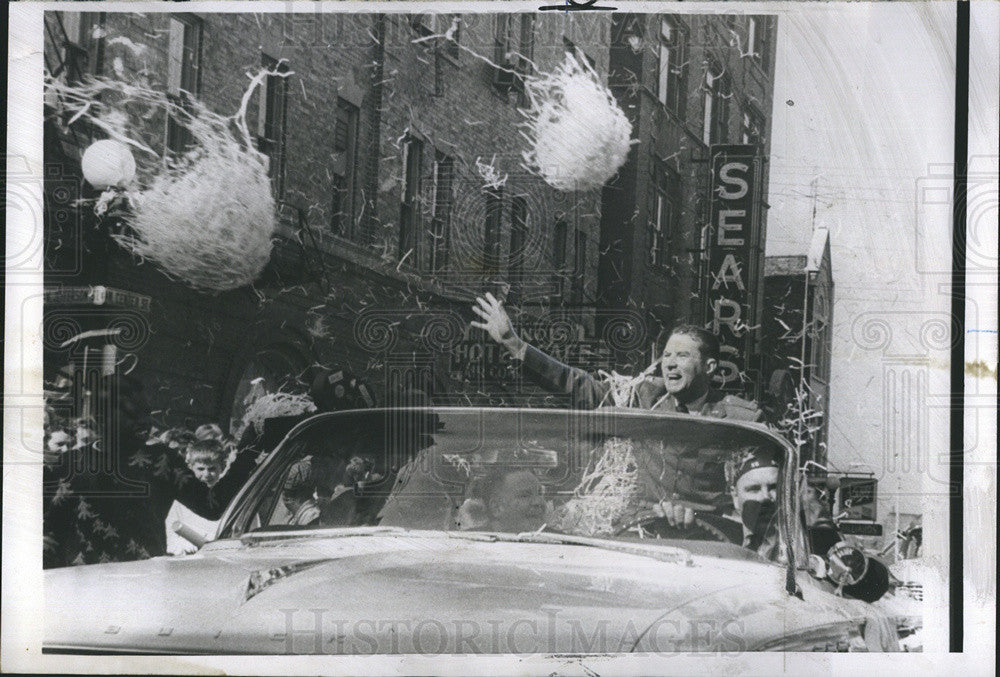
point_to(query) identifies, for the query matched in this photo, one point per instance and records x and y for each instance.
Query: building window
(718, 92)
(753, 126)
(514, 47)
(423, 24)
(440, 33)
(494, 220)
(673, 68)
(453, 29)
(444, 178)
(183, 75)
(579, 266)
(665, 216)
(409, 216)
(447, 26)
(560, 242)
(518, 239)
(526, 51)
(503, 76)
(271, 127)
(345, 143)
(78, 38)
(757, 41)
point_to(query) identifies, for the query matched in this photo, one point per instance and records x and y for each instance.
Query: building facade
(690, 84)
(395, 155)
(798, 328)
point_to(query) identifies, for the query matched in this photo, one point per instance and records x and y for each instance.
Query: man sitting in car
(752, 475)
(506, 500)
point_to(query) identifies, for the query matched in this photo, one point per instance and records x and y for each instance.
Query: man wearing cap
(752, 477)
(689, 358)
(299, 493)
(753, 474)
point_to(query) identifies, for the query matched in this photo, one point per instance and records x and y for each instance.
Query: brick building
(798, 328)
(395, 157)
(378, 145)
(688, 83)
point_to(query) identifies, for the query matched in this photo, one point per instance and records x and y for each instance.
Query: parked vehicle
(469, 530)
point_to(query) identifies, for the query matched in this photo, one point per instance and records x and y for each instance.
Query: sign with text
(860, 528)
(856, 498)
(733, 252)
(477, 359)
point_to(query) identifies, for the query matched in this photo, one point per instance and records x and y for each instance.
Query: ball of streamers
(205, 218)
(609, 490)
(207, 221)
(578, 135)
(272, 405)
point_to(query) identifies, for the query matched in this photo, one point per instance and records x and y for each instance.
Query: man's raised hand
(496, 322)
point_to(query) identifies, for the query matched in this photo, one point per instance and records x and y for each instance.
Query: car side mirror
(847, 565)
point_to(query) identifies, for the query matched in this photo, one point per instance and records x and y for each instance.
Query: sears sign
(734, 254)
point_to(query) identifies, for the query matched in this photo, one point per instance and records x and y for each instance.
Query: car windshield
(593, 474)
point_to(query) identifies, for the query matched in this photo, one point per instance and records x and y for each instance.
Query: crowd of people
(115, 488)
(191, 476)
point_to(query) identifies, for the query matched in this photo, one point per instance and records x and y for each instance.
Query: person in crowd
(690, 357)
(911, 540)
(109, 515)
(206, 459)
(505, 500)
(197, 503)
(298, 493)
(753, 475)
(213, 475)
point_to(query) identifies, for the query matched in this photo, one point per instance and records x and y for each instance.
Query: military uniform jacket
(587, 392)
(695, 475)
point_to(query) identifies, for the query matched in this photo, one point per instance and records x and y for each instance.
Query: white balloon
(108, 163)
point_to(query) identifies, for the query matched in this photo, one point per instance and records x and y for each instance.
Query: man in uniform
(753, 474)
(690, 357)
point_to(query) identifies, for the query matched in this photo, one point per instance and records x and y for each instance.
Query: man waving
(690, 357)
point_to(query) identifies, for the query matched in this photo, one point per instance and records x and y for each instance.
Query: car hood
(433, 594)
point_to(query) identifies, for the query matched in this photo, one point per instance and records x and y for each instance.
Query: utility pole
(805, 395)
(815, 190)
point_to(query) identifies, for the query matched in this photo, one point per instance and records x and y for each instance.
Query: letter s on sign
(743, 187)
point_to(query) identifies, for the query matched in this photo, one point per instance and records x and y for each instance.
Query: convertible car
(472, 531)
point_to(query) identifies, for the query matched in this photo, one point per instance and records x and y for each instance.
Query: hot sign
(734, 249)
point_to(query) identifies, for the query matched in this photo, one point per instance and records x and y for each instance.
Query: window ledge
(341, 248)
